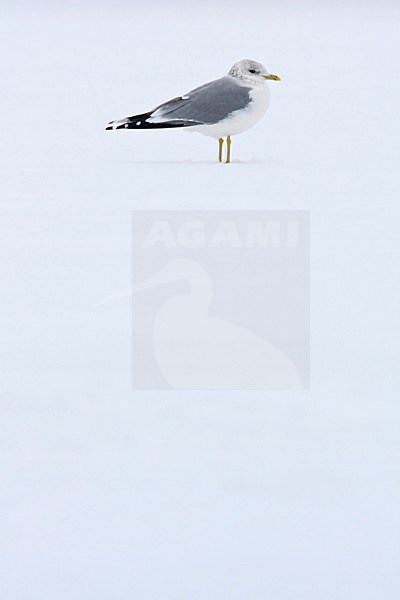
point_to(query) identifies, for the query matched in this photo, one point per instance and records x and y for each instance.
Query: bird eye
(252, 71)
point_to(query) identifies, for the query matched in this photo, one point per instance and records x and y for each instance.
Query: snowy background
(112, 494)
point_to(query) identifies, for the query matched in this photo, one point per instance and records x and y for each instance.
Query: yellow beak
(274, 77)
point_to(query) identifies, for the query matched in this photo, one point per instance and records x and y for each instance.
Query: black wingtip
(108, 128)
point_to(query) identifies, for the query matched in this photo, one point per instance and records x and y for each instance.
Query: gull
(220, 109)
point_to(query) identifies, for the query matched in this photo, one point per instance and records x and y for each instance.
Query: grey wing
(207, 104)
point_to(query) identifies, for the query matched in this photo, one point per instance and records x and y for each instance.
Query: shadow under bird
(218, 109)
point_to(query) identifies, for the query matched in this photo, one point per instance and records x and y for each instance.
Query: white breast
(241, 120)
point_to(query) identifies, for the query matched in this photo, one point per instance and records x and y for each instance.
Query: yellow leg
(228, 149)
(221, 143)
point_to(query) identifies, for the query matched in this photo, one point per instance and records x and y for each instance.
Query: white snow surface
(111, 494)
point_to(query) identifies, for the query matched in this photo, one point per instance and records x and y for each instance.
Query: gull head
(251, 72)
